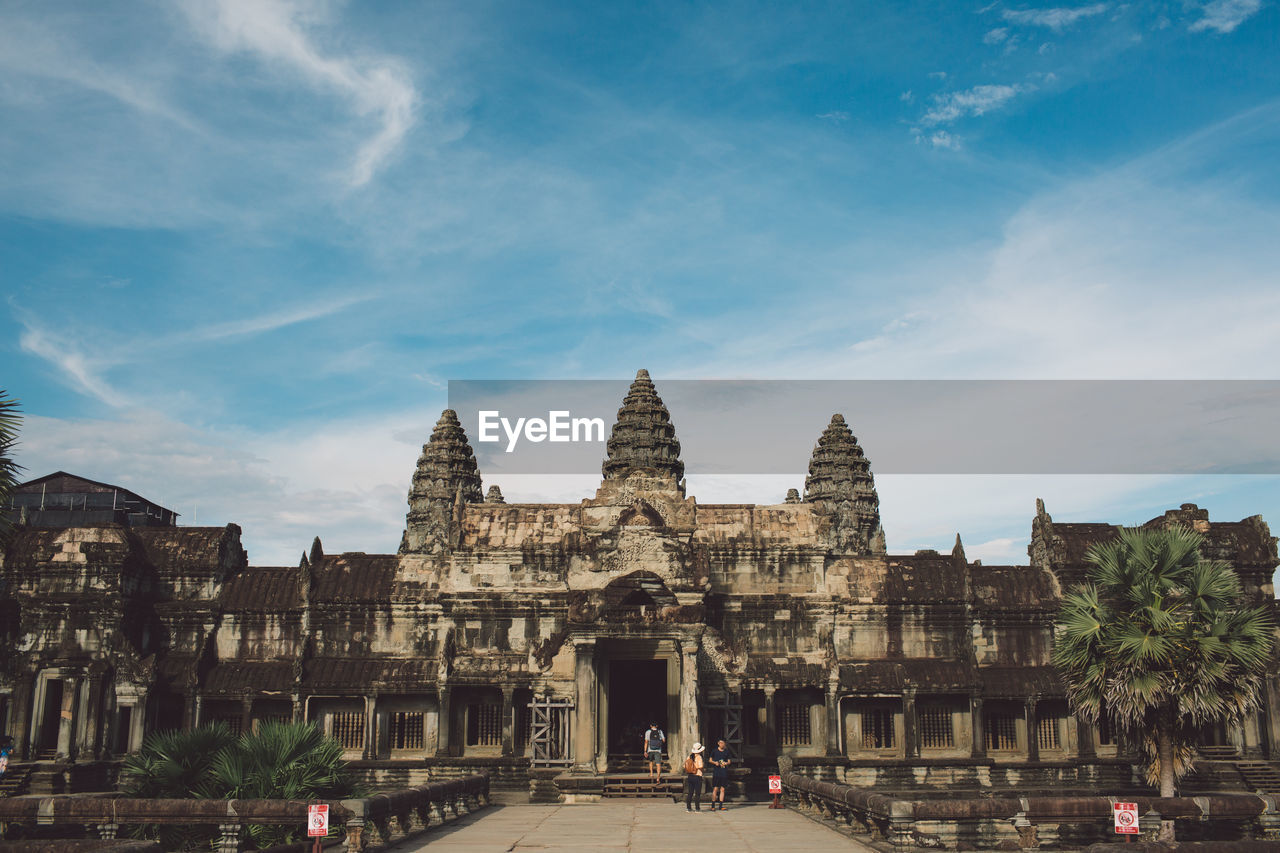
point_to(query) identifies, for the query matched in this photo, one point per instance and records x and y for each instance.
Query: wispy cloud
(1223, 16)
(942, 139)
(950, 106)
(273, 320)
(835, 116)
(996, 36)
(276, 31)
(83, 371)
(1056, 19)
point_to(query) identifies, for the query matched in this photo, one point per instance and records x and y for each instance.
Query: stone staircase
(641, 785)
(1260, 776)
(15, 781)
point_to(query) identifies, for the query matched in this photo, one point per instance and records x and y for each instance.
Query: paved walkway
(636, 826)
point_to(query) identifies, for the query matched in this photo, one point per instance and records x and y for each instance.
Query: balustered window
(347, 728)
(877, 728)
(484, 724)
(405, 729)
(1001, 729)
(793, 725)
(934, 720)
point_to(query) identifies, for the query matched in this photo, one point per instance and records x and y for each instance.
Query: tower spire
(840, 483)
(446, 477)
(643, 436)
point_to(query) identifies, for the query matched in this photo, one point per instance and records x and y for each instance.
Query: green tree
(1161, 642)
(10, 420)
(278, 761)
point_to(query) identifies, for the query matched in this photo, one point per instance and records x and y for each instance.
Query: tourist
(719, 759)
(6, 747)
(693, 779)
(654, 742)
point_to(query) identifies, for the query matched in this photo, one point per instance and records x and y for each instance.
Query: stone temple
(537, 641)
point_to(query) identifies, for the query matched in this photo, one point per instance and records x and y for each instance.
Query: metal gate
(549, 731)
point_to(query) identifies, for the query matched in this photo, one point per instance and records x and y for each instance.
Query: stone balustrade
(1027, 822)
(366, 823)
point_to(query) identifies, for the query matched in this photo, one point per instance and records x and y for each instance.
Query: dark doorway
(50, 720)
(637, 697)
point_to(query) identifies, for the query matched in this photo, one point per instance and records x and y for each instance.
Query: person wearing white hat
(693, 779)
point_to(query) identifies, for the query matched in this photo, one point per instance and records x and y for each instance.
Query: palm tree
(278, 761)
(1160, 642)
(10, 420)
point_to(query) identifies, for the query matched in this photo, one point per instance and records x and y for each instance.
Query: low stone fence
(364, 823)
(1024, 822)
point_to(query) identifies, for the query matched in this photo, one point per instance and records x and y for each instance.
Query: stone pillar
(370, 728)
(23, 689)
(690, 724)
(771, 720)
(833, 718)
(92, 737)
(196, 710)
(1084, 739)
(1250, 736)
(298, 710)
(190, 709)
(1033, 732)
(584, 730)
(910, 724)
(443, 747)
(66, 717)
(246, 714)
(508, 720)
(977, 730)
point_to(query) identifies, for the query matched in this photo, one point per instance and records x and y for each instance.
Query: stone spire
(643, 436)
(446, 478)
(840, 483)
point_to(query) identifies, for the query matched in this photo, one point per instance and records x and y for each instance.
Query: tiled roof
(258, 588)
(235, 677)
(358, 674)
(354, 577)
(1021, 681)
(888, 676)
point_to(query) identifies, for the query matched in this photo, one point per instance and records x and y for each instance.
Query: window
(1047, 733)
(1001, 731)
(793, 725)
(404, 729)
(877, 729)
(484, 724)
(347, 728)
(935, 726)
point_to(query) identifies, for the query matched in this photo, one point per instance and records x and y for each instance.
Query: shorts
(654, 755)
(719, 778)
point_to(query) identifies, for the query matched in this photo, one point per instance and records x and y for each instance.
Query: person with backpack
(654, 742)
(693, 779)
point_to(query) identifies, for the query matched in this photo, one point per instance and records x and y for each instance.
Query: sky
(245, 244)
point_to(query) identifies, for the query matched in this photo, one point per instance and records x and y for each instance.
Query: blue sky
(244, 244)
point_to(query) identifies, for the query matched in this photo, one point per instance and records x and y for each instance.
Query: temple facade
(541, 639)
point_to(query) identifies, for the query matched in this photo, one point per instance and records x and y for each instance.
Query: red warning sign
(775, 784)
(318, 820)
(1126, 815)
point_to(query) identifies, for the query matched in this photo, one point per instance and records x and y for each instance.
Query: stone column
(1084, 739)
(584, 730)
(910, 724)
(66, 717)
(1033, 732)
(833, 718)
(370, 728)
(771, 720)
(508, 720)
(23, 689)
(93, 737)
(443, 746)
(690, 724)
(246, 714)
(977, 729)
(297, 710)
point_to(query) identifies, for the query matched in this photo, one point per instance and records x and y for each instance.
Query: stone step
(1260, 776)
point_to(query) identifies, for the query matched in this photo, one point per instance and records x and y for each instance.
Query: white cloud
(1223, 16)
(1055, 19)
(942, 139)
(273, 320)
(950, 106)
(277, 31)
(83, 371)
(835, 116)
(996, 36)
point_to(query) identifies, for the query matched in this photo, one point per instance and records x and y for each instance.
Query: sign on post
(775, 784)
(1126, 815)
(318, 820)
